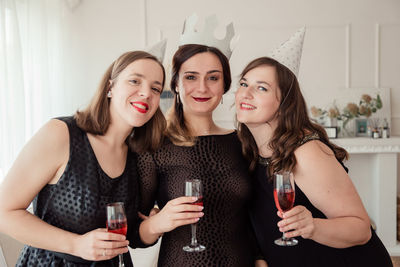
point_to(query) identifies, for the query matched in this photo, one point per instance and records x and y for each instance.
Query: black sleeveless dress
(77, 203)
(307, 253)
(224, 229)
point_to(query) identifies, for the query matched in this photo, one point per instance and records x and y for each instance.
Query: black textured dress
(77, 203)
(224, 229)
(307, 253)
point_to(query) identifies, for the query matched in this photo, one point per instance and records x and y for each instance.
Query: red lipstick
(140, 106)
(201, 99)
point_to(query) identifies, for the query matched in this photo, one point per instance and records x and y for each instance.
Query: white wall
(349, 43)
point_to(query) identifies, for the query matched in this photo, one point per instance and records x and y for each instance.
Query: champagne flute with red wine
(193, 188)
(117, 223)
(284, 200)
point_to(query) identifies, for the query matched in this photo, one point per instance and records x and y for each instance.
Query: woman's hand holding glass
(297, 222)
(175, 213)
(96, 246)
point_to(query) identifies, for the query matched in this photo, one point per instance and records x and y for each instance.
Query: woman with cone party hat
(328, 219)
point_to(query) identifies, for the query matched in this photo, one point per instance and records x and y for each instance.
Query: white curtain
(31, 80)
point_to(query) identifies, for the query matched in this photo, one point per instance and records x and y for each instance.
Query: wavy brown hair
(293, 123)
(95, 118)
(177, 130)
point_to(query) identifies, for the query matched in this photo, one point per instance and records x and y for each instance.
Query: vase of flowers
(365, 108)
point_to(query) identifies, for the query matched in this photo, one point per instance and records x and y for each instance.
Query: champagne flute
(284, 200)
(117, 223)
(193, 188)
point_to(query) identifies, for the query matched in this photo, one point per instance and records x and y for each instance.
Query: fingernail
(194, 198)
(201, 214)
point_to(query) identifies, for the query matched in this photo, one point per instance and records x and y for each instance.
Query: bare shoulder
(316, 160)
(313, 150)
(52, 138)
(57, 127)
(40, 162)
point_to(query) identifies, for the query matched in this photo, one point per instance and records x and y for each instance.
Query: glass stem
(194, 239)
(121, 260)
(283, 236)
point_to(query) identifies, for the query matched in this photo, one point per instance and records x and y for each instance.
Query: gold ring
(104, 252)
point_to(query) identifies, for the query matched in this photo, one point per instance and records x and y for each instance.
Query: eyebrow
(144, 77)
(208, 72)
(137, 74)
(259, 82)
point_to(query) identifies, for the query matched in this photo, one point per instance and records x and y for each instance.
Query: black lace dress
(307, 253)
(77, 202)
(224, 229)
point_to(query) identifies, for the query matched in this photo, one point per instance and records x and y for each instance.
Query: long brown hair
(293, 123)
(95, 118)
(177, 130)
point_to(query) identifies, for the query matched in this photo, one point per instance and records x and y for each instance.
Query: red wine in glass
(194, 188)
(117, 223)
(199, 201)
(117, 227)
(284, 200)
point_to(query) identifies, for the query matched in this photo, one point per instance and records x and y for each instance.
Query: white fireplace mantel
(368, 145)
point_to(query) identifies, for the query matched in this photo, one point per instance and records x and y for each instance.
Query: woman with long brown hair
(197, 148)
(75, 165)
(328, 217)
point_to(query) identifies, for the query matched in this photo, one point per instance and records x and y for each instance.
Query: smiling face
(258, 98)
(135, 93)
(201, 83)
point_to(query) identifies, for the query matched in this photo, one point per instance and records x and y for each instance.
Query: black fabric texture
(225, 228)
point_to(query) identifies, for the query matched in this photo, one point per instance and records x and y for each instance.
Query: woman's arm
(40, 162)
(328, 187)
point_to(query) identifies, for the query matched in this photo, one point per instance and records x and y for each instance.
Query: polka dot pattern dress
(225, 228)
(77, 203)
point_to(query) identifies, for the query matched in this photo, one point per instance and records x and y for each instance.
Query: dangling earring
(222, 100)
(109, 90)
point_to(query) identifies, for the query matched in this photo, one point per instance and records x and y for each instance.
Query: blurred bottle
(386, 129)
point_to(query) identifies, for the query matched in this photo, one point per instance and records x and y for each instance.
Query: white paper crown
(158, 49)
(289, 53)
(190, 35)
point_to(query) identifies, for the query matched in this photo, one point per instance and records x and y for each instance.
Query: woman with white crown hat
(74, 166)
(196, 148)
(328, 218)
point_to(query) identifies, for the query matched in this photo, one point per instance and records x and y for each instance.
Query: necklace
(264, 161)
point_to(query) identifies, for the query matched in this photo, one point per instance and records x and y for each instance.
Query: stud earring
(109, 94)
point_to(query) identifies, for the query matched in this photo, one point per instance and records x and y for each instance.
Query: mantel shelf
(359, 145)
